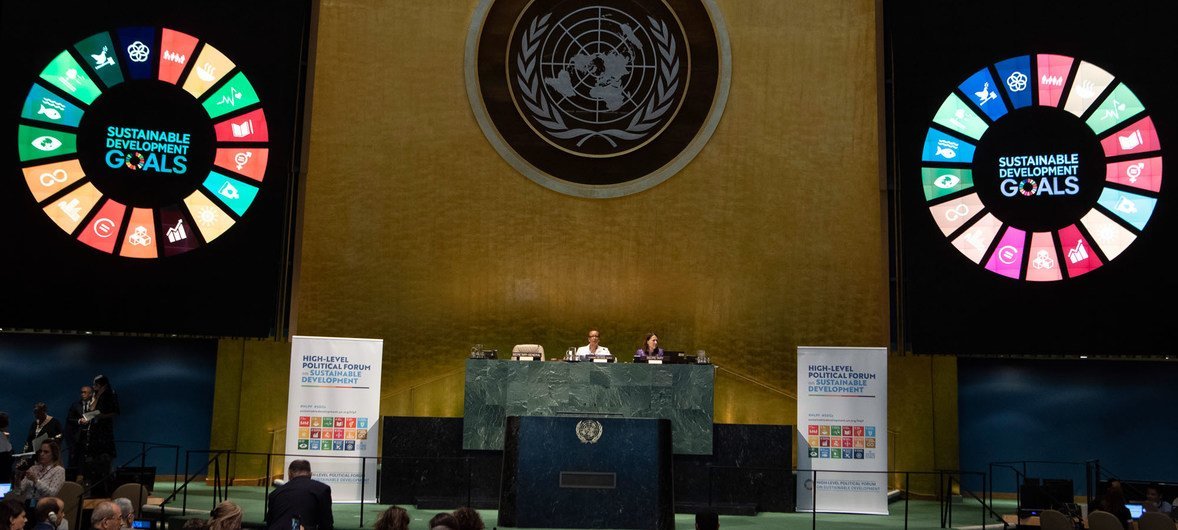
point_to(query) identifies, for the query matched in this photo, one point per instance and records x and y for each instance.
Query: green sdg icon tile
(235, 194)
(35, 142)
(303, 445)
(955, 115)
(65, 73)
(102, 57)
(1119, 106)
(939, 182)
(237, 94)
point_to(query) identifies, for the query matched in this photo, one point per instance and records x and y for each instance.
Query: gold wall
(417, 232)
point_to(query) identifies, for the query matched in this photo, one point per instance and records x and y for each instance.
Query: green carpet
(920, 514)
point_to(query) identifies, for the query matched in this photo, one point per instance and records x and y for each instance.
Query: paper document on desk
(91, 415)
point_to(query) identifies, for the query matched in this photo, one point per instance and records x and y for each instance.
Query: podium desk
(587, 472)
(681, 393)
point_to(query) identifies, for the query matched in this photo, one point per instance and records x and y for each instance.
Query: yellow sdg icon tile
(69, 211)
(210, 219)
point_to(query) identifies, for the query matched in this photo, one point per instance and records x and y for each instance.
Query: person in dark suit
(301, 498)
(75, 431)
(100, 444)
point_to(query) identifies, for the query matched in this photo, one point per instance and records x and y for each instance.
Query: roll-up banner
(842, 429)
(333, 411)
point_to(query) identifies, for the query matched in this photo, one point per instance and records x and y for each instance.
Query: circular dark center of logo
(146, 143)
(1039, 169)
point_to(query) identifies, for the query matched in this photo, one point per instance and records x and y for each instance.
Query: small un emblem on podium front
(589, 431)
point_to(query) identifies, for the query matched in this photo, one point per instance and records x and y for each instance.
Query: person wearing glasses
(106, 516)
(127, 508)
(45, 478)
(594, 349)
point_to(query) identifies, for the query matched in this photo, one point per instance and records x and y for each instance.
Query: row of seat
(1100, 520)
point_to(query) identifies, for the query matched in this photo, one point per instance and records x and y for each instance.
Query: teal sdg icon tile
(233, 193)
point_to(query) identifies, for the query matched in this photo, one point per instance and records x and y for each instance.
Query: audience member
(100, 445)
(196, 524)
(5, 451)
(468, 519)
(1154, 501)
(707, 520)
(127, 508)
(1113, 501)
(12, 514)
(394, 518)
(106, 516)
(45, 478)
(43, 425)
(301, 497)
(49, 514)
(75, 431)
(443, 521)
(226, 516)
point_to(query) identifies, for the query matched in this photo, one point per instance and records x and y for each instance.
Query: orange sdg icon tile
(140, 239)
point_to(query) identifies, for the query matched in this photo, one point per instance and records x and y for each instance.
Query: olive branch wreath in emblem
(548, 116)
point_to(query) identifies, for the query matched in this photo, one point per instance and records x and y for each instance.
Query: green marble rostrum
(682, 393)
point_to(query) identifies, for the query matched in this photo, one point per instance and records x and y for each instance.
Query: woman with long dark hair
(650, 349)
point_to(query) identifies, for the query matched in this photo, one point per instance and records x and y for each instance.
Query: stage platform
(921, 515)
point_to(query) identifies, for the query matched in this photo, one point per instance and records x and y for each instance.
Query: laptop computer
(4, 489)
(1135, 510)
(677, 357)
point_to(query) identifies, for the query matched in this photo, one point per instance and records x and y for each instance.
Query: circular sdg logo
(143, 142)
(1041, 167)
(597, 99)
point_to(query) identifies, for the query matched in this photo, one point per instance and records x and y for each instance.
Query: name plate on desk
(600, 360)
(524, 358)
(654, 361)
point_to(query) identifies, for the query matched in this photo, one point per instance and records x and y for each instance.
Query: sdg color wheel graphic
(1041, 167)
(143, 142)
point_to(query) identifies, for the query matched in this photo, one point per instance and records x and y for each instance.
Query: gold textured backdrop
(417, 232)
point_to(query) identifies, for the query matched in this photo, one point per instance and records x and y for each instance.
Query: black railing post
(363, 480)
(907, 495)
(813, 500)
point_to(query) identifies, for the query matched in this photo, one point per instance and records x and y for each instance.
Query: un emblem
(597, 98)
(589, 431)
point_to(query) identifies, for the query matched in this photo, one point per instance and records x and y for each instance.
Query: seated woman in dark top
(650, 349)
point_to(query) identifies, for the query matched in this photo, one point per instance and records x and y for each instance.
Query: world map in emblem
(598, 99)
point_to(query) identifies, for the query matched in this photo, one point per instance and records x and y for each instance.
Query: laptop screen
(1135, 510)
(4, 489)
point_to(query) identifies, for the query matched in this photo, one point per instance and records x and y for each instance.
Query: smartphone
(295, 523)
(141, 523)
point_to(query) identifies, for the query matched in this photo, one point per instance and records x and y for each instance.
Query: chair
(534, 350)
(1101, 520)
(1055, 520)
(1155, 521)
(137, 493)
(71, 495)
